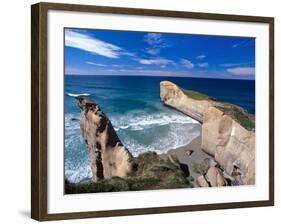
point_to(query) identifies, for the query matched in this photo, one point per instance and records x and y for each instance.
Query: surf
(78, 94)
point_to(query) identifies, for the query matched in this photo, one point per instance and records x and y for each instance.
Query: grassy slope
(237, 113)
(150, 172)
(195, 95)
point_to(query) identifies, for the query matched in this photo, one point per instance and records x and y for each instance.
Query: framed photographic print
(138, 111)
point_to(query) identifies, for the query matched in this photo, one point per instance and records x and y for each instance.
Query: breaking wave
(133, 122)
(76, 95)
(157, 132)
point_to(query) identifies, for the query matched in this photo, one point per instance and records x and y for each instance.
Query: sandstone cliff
(173, 96)
(227, 130)
(108, 156)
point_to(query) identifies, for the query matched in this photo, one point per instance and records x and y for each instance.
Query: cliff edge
(227, 130)
(107, 154)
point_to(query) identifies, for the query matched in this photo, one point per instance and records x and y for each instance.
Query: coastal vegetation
(149, 172)
(237, 113)
(196, 95)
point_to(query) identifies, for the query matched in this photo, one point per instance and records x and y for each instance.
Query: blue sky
(102, 52)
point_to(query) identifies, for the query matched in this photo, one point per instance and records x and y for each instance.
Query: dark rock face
(108, 156)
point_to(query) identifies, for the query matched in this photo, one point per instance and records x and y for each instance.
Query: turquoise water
(141, 120)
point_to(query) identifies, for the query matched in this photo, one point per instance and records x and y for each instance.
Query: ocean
(140, 119)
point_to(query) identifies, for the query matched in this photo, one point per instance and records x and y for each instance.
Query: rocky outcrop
(108, 156)
(227, 130)
(211, 174)
(232, 145)
(202, 182)
(213, 178)
(173, 96)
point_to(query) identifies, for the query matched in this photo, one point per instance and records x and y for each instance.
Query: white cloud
(242, 70)
(186, 63)
(70, 70)
(117, 66)
(91, 44)
(203, 65)
(110, 70)
(97, 64)
(104, 65)
(156, 61)
(156, 42)
(201, 57)
(153, 51)
(128, 54)
(153, 38)
(229, 64)
(144, 72)
(245, 64)
(241, 43)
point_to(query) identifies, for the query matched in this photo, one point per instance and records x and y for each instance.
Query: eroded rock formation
(227, 130)
(173, 96)
(232, 145)
(213, 178)
(108, 156)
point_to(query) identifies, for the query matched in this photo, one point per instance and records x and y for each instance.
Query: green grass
(238, 114)
(196, 95)
(150, 172)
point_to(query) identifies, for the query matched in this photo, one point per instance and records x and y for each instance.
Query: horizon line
(163, 76)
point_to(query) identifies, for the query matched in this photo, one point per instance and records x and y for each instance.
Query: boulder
(189, 152)
(215, 178)
(202, 182)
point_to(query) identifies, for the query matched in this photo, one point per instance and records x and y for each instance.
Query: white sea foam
(72, 124)
(78, 94)
(157, 132)
(146, 121)
(175, 137)
(76, 176)
(77, 166)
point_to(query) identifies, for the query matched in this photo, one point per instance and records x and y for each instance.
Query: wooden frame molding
(39, 110)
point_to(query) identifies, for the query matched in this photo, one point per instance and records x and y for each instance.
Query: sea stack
(228, 132)
(108, 155)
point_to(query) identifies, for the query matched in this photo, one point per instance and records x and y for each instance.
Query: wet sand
(189, 155)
